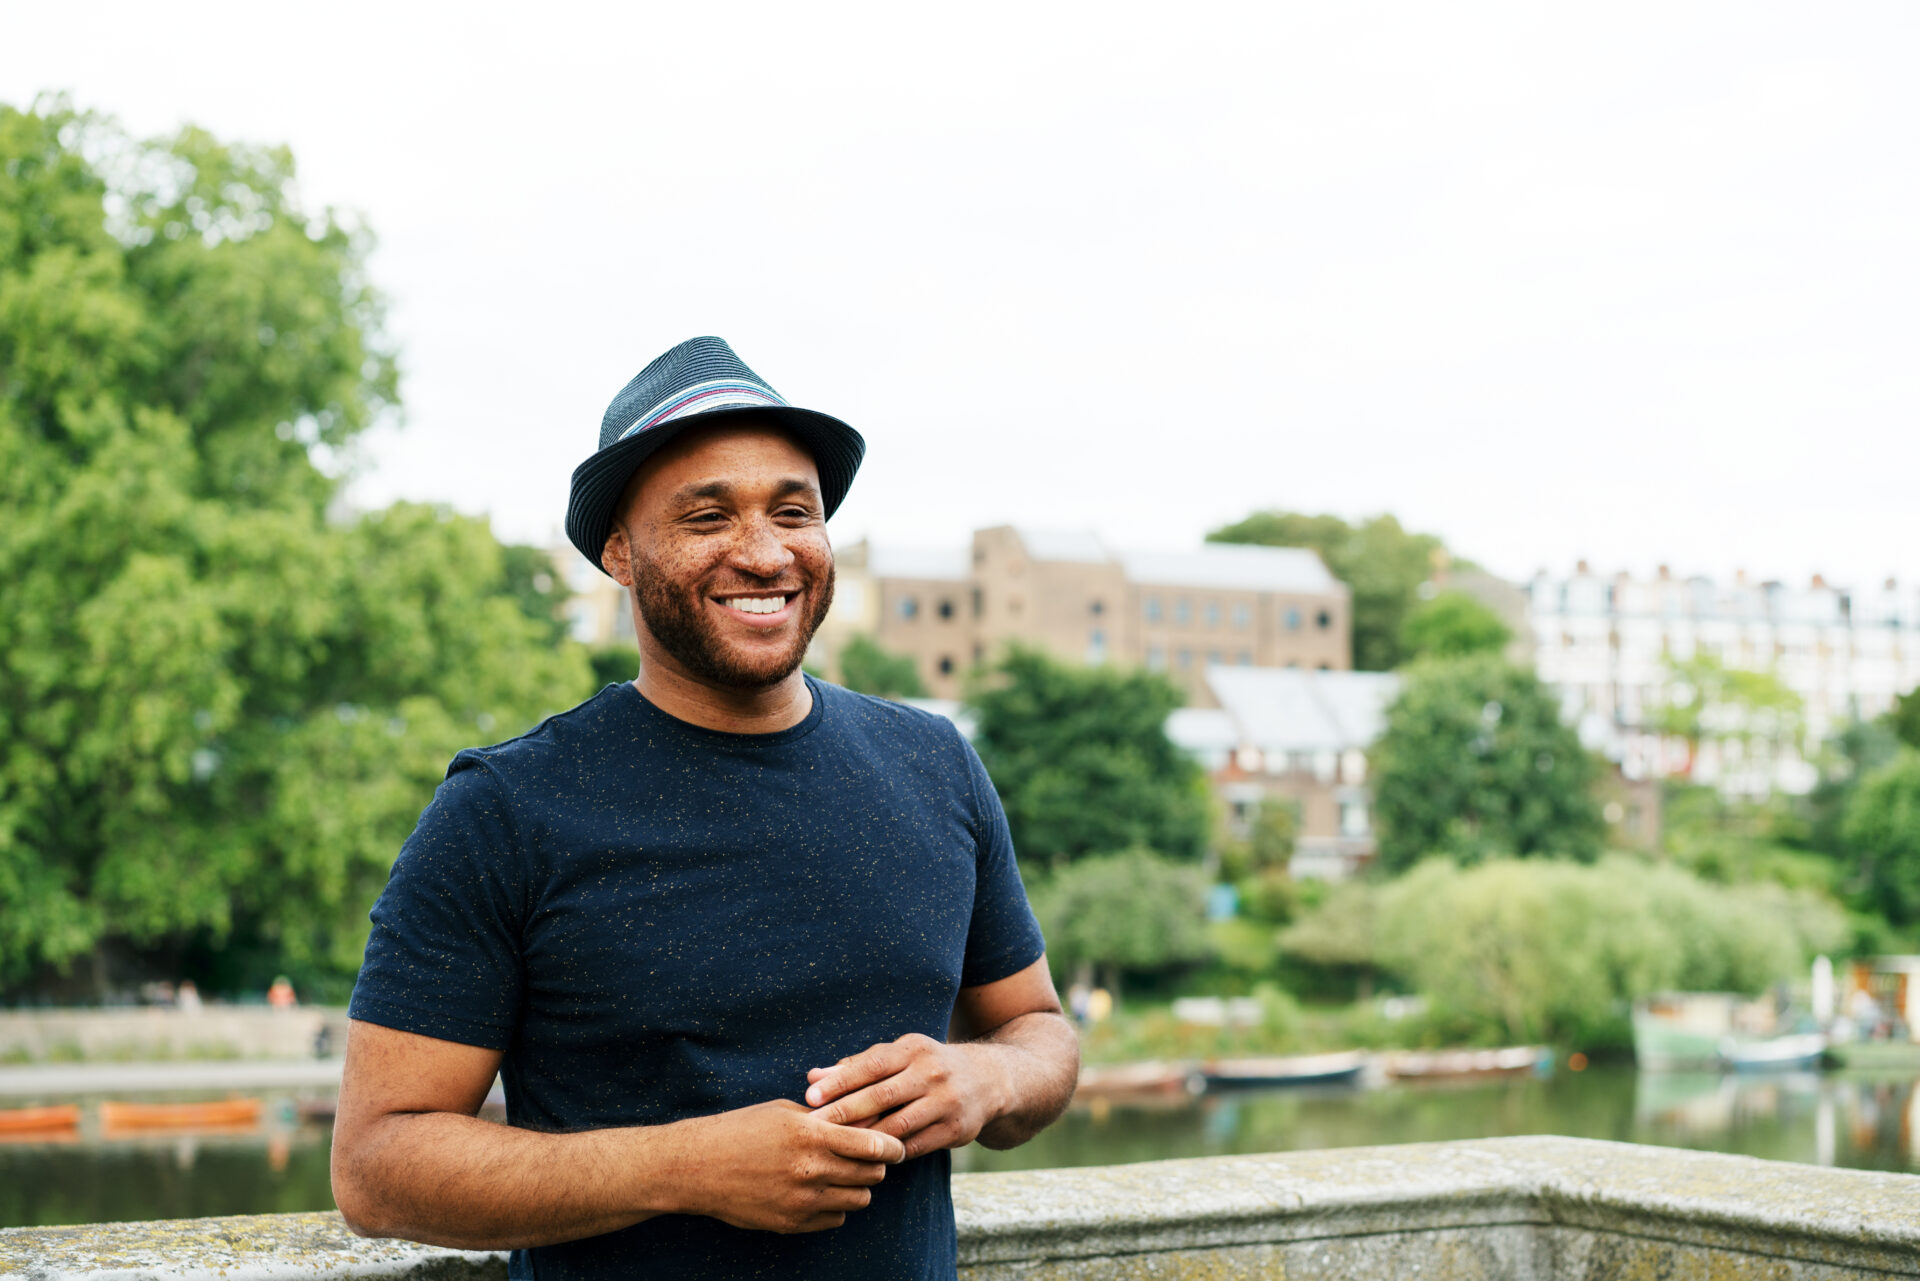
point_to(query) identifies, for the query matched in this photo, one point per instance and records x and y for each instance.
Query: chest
(699, 906)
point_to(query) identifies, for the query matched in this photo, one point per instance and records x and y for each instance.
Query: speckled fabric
(655, 921)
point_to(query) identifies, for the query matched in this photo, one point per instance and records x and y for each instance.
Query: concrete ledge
(1497, 1209)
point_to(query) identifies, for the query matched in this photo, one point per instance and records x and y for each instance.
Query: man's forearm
(455, 1180)
(1039, 1055)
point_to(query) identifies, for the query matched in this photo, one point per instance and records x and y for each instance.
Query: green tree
(1704, 700)
(1883, 829)
(1904, 719)
(1132, 912)
(1475, 762)
(1082, 762)
(1530, 950)
(1382, 563)
(866, 668)
(533, 580)
(1452, 625)
(1257, 865)
(222, 711)
(1340, 935)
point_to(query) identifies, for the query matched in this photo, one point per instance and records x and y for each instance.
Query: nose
(760, 550)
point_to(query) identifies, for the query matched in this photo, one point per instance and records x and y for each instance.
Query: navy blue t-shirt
(656, 921)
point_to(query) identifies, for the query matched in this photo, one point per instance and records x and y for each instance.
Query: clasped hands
(803, 1169)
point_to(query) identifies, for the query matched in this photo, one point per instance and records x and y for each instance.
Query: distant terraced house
(1071, 595)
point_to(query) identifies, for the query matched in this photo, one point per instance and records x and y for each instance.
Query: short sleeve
(1003, 937)
(444, 956)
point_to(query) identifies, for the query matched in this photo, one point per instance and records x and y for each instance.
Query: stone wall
(146, 1033)
(1494, 1210)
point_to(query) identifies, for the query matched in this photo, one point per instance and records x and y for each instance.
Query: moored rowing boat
(174, 1116)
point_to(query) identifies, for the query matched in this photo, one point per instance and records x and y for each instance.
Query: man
(749, 951)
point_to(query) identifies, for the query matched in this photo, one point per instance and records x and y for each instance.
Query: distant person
(749, 951)
(187, 998)
(280, 994)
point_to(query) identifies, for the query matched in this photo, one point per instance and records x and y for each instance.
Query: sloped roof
(1082, 545)
(1293, 710)
(1233, 567)
(1202, 729)
(948, 563)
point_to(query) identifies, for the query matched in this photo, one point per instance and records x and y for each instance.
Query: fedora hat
(699, 383)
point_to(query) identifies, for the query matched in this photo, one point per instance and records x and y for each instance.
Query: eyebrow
(722, 489)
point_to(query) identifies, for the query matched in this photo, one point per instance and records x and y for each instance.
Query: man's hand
(781, 1168)
(926, 1094)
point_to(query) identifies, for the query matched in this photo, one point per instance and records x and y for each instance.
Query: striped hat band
(717, 393)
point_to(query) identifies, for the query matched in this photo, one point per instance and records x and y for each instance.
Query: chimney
(1819, 582)
(1665, 573)
(1740, 577)
(1580, 567)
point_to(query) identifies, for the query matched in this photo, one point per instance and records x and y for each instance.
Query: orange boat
(180, 1116)
(36, 1120)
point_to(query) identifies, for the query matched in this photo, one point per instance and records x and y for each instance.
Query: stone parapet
(1495, 1210)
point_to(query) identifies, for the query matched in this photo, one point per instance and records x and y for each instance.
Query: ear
(616, 557)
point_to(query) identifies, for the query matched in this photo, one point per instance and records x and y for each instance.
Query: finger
(840, 1200)
(943, 1134)
(881, 1096)
(873, 1064)
(840, 1172)
(857, 1144)
(909, 1120)
(820, 1223)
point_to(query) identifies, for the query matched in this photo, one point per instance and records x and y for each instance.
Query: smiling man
(749, 951)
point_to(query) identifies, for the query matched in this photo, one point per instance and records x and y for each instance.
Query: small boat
(180, 1116)
(1774, 1054)
(1268, 1073)
(1133, 1079)
(64, 1116)
(1437, 1065)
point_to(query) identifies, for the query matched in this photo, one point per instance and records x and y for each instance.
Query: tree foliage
(1474, 763)
(1082, 762)
(866, 668)
(1382, 563)
(1904, 719)
(1705, 699)
(1452, 625)
(1528, 951)
(1128, 912)
(1883, 828)
(222, 712)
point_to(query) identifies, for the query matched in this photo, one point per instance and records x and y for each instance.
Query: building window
(1097, 646)
(946, 665)
(1213, 658)
(946, 609)
(1183, 611)
(1098, 608)
(979, 652)
(1156, 658)
(1153, 609)
(909, 607)
(1323, 620)
(1293, 620)
(1244, 658)
(1185, 658)
(1213, 613)
(1242, 615)
(979, 605)
(1325, 667)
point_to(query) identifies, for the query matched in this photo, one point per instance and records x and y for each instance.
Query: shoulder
(884, 719)
(558, 742)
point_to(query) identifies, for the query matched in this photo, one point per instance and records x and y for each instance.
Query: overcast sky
(1638, 283)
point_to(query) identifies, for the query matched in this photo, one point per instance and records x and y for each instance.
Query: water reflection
(1843, 1119)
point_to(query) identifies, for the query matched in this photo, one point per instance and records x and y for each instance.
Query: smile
(758, 606)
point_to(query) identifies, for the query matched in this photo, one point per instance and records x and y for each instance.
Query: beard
(678, 620)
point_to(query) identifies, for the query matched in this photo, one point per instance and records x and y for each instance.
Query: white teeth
(759, 604)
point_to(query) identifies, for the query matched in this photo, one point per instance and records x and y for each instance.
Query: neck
(766, 710)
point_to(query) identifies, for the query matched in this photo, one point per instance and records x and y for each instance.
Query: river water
(1869, 1122)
